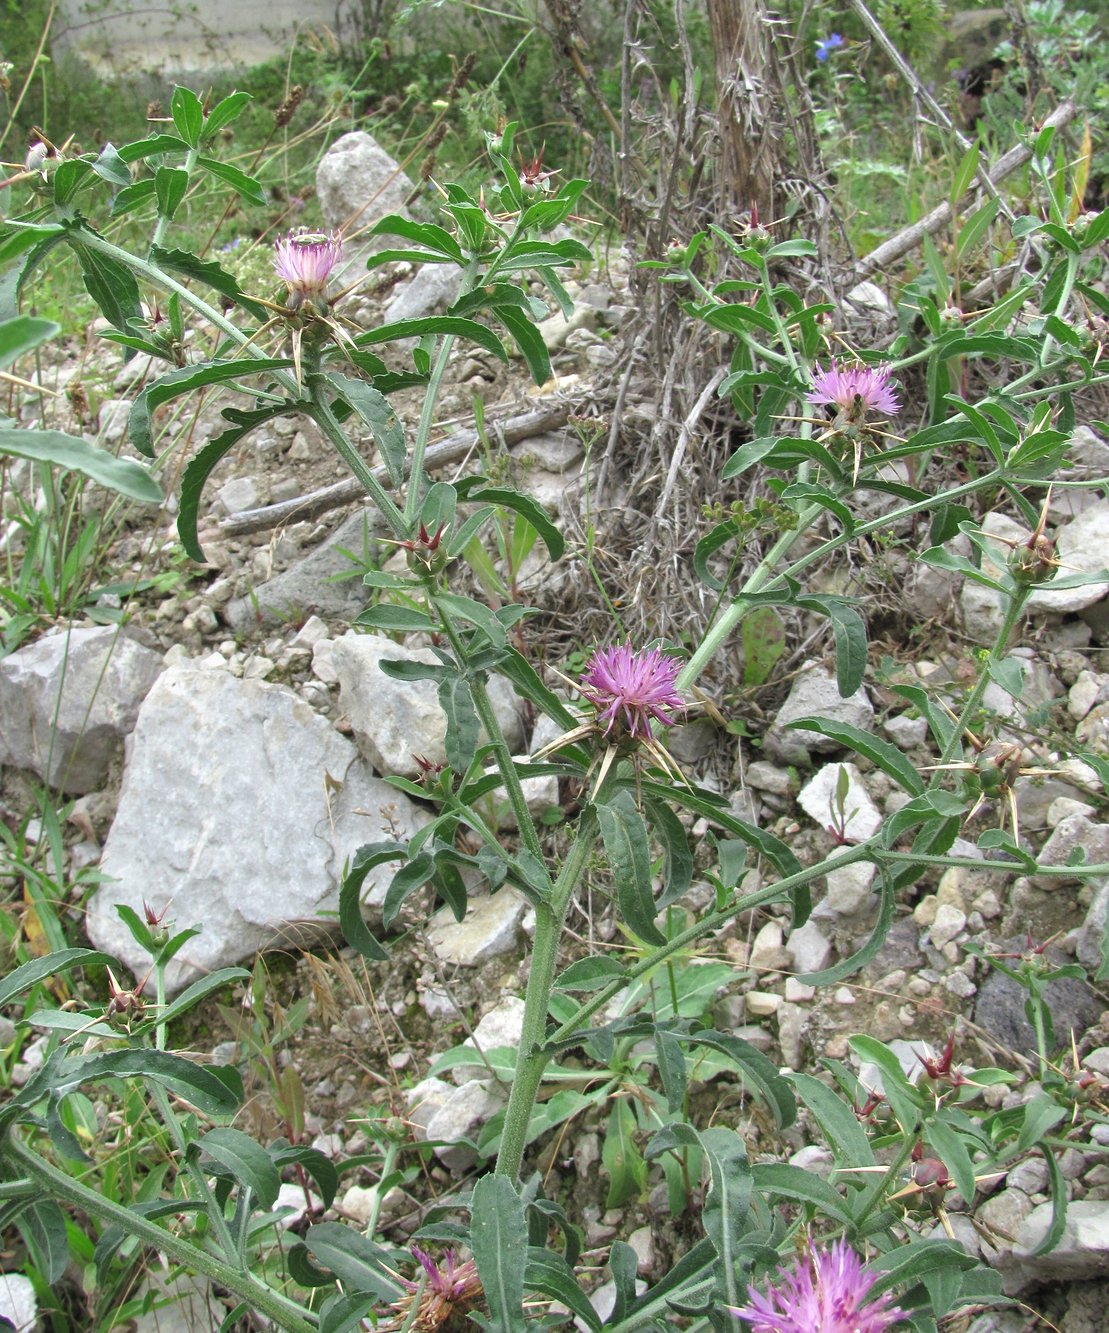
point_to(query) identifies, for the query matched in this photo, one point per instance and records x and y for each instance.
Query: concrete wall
(118, 37)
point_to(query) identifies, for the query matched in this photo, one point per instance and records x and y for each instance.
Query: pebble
(767, 954)
(947, 924)
(761, 1004)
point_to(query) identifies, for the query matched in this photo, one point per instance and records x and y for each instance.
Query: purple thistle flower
(632, 689)
(304, 261)
(820, 1293)
(827, 45)
(855, 390)
(449, 1282)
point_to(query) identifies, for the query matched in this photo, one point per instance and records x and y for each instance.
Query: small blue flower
(827, 45)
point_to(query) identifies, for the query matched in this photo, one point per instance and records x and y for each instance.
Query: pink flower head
(632, 689)
(304, 261)
(855, 390)
(450, 1281)
(820, 1293)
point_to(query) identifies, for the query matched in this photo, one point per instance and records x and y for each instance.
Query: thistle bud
(1034, 561)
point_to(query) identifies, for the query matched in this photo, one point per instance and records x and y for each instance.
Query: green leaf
(201, 466)
(354, 928)
(152, 145)
(850, 633)
(838, 1123)
(360, 1264)
(245, 186)
(477, 490)
(122, 475)
(764, 641)
(463, 727)
(952, 1151)
(394, 619)
(425, 234)
(170, 186)
(527, 253)
(133, 196)
(193, 994)
(881, 753)
(757, 1071)
(244, 1159)
(23, 334)
(44, 1228)
(110, 283)
(847, 966)
(188, 115)
(318, 1166)
(193, 1083)
(111, 167)
(1058, 1187)
(372, 407)
(549, 1273)
(589, 974)
(783, 1181)
(627, 1171)
(209, 272)
(223, 113)
(475, 613)
(625, 840)
(342, 1313)
(439, 325)
(677, 864)
(530, 342)
(964, 174)
(499, 1242)
(904, 1099)
(188, 380)
(726, 1205)
(670, 1059)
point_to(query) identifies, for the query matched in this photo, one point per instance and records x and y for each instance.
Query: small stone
(844, 995)
(809, 948)
(960, 985)
(761, 1004)
(1029, 1176)
(489, 929)
(797, 992)
(767, 953)
(820, 800)
(906, 732)
(948, 923)
(18, 1302)
(850, 888)
(643, 1243)
(1097, 1062)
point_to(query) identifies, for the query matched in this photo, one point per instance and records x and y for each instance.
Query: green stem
(188, 166)
(550, 918)
(285, 1313)
(954, 746)
(427, 413)
(323, 416)
(763, 577)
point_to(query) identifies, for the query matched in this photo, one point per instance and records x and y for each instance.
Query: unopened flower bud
(1034, 561)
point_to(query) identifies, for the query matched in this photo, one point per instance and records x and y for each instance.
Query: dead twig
(910, 237)
(450, 450)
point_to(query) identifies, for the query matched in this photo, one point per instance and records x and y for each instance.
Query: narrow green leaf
(850, 634)
(245, 1159)
(44, 1228)
(170, 186)
(757, 1071)
(354, 928)
(123, 475)
(193, 1083)
(426, 234)
(589, 974)
(209, 272)
(477, 490)
(23, 334)
(25, 976)
(359, 1263)
(964, 174)
(1058, 1188)
(881, 753)
(530, 342)
(838, 1123)
(625, 840)
(201, 466)
(439, 326)
(463, 727)
(393, 619)
(783, 1181)
(136, 195)
(188, 380)
(245, 186)
(677, 864)
(670, 1059)
(764, 641)
(188, 115)
(904, 1099)
(374, 410)
(550, 1274)
(223, 113)
(952, 1151)
(110, 283)
(627, 1171)
(499, 1242)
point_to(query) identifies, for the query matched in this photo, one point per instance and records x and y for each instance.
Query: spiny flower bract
(629, 690)
(855, 390)
(304, 261)
(821, 1292)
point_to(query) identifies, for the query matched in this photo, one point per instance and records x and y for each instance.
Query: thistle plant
(899, 1154)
